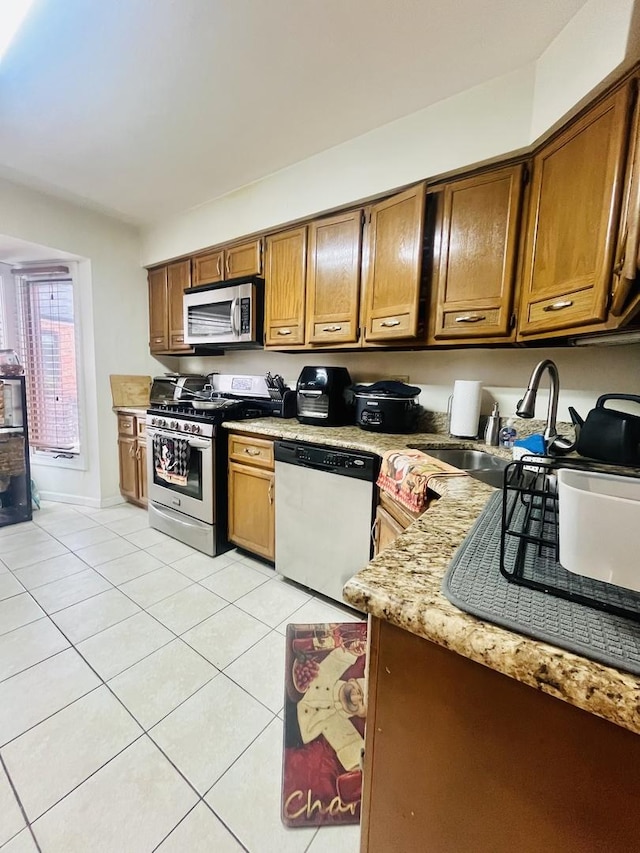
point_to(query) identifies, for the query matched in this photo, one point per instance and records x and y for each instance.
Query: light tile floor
(141, 692)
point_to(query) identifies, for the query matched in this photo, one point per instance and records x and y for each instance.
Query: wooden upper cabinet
(178, 280)
(333, 279)
(158, 314)
(208, 268)
(474, 280)
(243, 260)
(285, 272)
(573, 217)
(394, 260)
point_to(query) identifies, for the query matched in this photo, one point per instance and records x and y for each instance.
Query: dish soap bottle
(508, 434)
(492, 429)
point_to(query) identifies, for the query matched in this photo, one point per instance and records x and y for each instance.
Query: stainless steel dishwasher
(324, 513)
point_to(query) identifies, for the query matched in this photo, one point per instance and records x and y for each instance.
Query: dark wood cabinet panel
(158, 310)
(333, 279)
(475, 279)
(573, 219)
(394, 262)
(178, 279)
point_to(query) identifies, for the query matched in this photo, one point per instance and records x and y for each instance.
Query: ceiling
(147, 108)
(16, 251)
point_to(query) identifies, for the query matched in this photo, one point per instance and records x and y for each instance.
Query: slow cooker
(387, 407)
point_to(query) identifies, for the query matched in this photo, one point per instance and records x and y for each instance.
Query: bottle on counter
(508, 434)
(492, 429)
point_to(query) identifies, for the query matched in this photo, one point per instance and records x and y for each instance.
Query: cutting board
(130, 390)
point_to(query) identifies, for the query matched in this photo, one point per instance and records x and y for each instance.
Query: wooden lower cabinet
(252, 520)
(132, 458)
(462, 759)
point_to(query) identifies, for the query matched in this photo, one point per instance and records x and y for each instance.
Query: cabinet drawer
(393, 326)
(251, 451)
(562, 312)
(476, 322)
(285, 335)
(126, 424)
(339, 332)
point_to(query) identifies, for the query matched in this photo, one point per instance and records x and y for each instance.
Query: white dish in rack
(598, 524)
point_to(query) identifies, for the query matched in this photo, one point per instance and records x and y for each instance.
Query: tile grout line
(19, 801)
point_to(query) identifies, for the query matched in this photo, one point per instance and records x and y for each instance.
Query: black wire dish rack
(529, 545)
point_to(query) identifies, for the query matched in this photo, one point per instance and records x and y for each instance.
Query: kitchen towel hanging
(405, 475)
(465, 408)
(171, 459)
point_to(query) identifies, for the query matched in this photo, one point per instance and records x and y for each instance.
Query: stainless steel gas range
(187, 457)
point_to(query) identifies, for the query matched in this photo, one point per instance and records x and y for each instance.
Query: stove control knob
(154, 421)
(187, 427)
(195, 428)
(174, 425)
(162, 422)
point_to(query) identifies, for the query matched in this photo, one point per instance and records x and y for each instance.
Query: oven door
(193, 494)
(221, 315)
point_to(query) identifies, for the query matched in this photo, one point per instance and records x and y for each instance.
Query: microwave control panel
(245, 316)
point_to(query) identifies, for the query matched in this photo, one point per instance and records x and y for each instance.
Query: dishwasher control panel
(348, 463)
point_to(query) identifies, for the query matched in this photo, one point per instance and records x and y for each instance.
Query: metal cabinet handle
(283, 332)
(138, 452)
(132, 451)
(179, 338)
(558, 306)
(227, 265)
(374, 534)
(393, 322)
(332, 328)
(470, 318)
(270, 492)
(219, 264)
(252, 451)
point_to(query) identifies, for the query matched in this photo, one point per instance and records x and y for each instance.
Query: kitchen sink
(477, 463)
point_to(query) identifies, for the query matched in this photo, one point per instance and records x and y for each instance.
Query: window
(47, 348)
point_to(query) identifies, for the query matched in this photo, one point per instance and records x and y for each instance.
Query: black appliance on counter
(323, 396)
(387, 406)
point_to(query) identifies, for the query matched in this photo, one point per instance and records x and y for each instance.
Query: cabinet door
(478, 249)
(573, 217)
(387, 530)
(158, 316)
(333, 279)
(251, 509)
(285, 288)
(141, 471)
(208, 268)
(178, 279)
(242, 260)
(394, 262)
(128, 467)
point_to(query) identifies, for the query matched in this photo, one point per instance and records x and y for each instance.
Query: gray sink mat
(473, 583)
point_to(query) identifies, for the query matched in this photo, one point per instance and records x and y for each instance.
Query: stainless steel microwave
(227, 314)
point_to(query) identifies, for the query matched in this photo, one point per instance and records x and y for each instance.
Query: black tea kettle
(608, 434)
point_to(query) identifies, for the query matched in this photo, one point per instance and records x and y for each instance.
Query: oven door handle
(198, 443)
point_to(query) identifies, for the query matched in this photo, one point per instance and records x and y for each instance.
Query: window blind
(47, 348)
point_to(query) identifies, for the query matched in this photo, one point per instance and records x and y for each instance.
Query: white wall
(113, 324)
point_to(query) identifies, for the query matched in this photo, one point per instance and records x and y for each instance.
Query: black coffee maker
(323, 398)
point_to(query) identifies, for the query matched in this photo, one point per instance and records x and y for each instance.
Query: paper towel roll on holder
(463, 409)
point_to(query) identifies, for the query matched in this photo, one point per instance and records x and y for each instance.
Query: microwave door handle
(234, 326)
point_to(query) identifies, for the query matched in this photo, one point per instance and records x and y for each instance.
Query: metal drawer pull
(332, 328)
(558, 306)
(218, 263)
(227, 265)
(284, 332)
(470, 318)
(252, 451)
(393, 322)
(132, 450)
(270, 493)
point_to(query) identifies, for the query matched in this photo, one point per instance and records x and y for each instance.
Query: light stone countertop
(403, 584)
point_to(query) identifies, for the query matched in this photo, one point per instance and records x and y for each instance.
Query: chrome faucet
(526, 407)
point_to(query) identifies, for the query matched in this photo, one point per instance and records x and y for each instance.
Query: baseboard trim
(82, 500)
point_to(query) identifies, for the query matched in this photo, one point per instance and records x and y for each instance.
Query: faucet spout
(526, 406)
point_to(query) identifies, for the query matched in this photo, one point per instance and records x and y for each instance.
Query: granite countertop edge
(402, 585)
